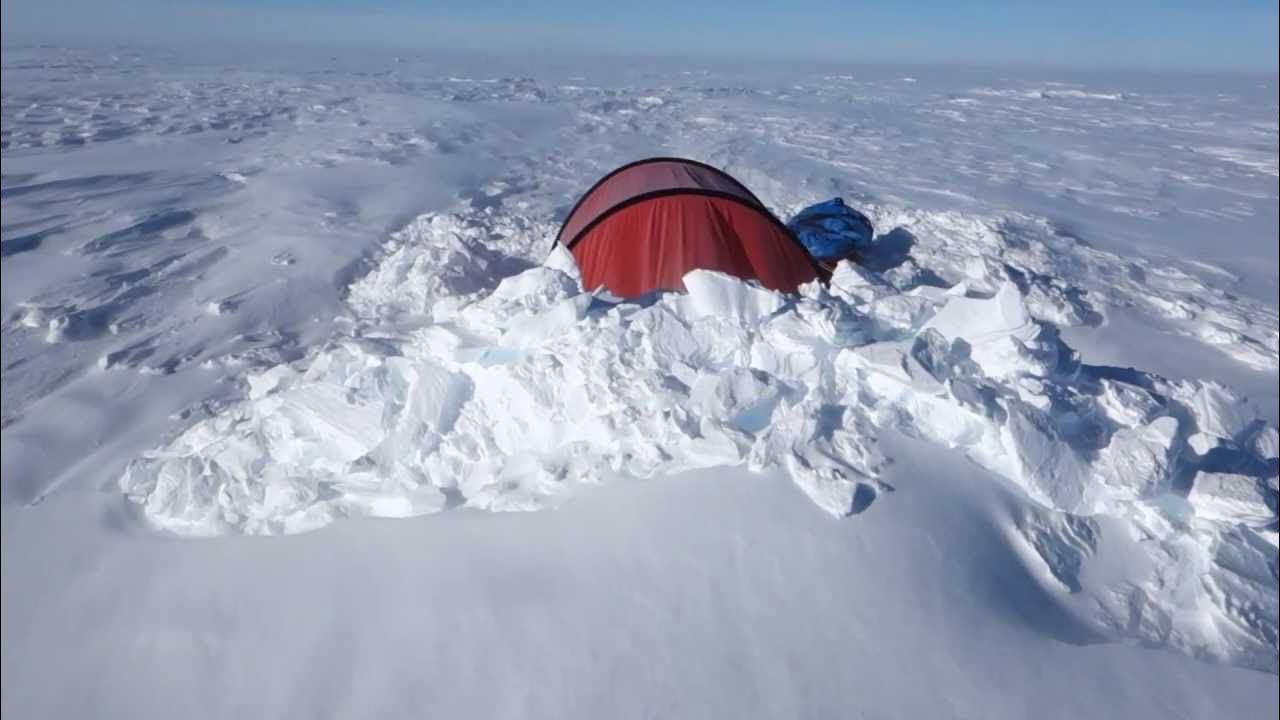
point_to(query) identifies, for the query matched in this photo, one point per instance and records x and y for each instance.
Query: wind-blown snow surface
(203, 314)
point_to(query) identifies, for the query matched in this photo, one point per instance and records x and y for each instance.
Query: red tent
(646, 224)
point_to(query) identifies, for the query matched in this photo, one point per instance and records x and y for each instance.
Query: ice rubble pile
(1067, 282)
(506, 400)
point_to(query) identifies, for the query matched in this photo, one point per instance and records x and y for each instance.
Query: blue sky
(1240, 34)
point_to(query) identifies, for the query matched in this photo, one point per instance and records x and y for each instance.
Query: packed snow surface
(274, 301)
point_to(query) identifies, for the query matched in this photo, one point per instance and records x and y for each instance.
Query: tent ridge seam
(647, 161)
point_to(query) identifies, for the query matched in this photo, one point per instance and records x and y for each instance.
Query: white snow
(512, 400)
(1037, 424)
(1235, 499)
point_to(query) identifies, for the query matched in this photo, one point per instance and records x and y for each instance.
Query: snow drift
(1153, 502)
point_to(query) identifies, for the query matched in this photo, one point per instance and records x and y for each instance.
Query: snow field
(207, 333)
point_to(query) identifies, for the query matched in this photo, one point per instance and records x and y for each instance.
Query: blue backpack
(831, 230)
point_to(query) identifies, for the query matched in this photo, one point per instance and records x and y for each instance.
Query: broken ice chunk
(1231, 498)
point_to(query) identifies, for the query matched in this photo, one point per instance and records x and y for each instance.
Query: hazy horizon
(1238, 36)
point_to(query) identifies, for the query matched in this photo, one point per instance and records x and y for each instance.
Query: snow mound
(441, 262)
(1062, 280)
(507, 397)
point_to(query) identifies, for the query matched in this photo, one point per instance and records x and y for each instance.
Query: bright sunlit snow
(1022, 460)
